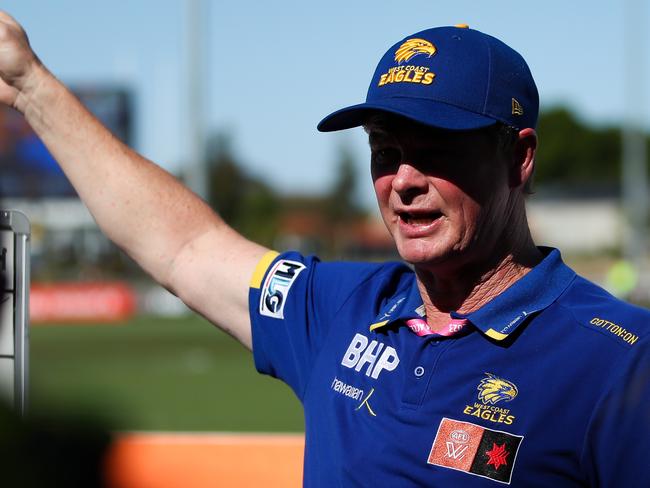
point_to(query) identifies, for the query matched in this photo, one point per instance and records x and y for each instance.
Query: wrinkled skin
(444, 196)
(453, 203)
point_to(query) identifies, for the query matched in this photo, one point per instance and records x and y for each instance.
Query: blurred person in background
(487, 359)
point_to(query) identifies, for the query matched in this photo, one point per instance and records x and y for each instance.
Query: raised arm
(161, 224)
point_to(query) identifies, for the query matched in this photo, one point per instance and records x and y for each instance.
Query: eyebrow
(377, 136)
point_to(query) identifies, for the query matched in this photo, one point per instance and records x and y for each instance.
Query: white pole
(196, 48)
(634, 177)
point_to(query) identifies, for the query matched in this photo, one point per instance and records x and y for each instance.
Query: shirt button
(419, 371)
(434, 343)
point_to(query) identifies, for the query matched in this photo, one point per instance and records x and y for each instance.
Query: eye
(385, 157)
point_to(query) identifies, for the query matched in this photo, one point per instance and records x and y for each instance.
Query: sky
(272, 70)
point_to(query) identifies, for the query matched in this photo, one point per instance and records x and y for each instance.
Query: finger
(12, 24)
(5, 17)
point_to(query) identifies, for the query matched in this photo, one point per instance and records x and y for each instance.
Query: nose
(409, 182)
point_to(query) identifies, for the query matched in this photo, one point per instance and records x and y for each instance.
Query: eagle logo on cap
(493, 389)
(413, 47)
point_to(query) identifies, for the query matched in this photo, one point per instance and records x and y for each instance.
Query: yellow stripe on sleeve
(260, 269)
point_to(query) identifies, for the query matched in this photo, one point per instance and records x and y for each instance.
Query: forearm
(137, 204)
(167, 229)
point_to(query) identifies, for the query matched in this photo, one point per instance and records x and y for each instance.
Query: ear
(524, 158)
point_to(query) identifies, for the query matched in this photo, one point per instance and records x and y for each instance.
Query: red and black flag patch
(474, 449)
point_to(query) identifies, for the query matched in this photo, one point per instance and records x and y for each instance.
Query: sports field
(155, 374)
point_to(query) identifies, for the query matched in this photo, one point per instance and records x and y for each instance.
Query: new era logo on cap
(517, 109)
(475, 450)
(448, 77)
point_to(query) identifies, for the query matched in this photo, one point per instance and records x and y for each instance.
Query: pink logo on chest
(421, 327)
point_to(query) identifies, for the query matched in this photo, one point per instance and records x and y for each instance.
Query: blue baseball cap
(453, 78)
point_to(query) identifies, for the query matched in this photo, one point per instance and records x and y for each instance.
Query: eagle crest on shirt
(493, 389)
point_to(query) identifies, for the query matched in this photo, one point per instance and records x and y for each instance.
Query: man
(487, 361)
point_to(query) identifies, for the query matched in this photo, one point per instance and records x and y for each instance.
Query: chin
(437, 257)
(421, 252)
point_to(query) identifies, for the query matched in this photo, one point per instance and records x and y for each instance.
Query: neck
(475, 284)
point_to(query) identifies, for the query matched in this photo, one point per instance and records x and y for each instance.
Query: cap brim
(427, 112)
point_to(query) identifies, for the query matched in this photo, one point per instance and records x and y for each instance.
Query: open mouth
(420, 218)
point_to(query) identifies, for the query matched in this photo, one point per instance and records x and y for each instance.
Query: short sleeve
(618, 440)
(292, 302)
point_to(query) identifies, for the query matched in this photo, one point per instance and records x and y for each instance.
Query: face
(444, 195)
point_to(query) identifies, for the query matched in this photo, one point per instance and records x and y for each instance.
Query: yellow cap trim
(495, 335)
(377, 325)
(462, 26)
(260, 269)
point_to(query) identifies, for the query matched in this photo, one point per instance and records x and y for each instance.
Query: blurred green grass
(155, 374)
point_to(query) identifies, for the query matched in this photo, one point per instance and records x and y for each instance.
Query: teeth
(419, 220)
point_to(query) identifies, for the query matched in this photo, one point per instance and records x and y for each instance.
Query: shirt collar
(405, 305)
(502, 315)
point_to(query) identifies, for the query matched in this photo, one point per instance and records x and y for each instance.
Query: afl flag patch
(276, 287)
(476, 450)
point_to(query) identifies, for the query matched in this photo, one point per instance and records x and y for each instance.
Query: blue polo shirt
(548, 384)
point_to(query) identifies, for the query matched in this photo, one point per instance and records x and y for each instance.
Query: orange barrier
(143, 460)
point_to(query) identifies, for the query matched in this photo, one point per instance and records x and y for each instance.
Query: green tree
(572, 152)
(246, 203)
(227, 181)
(342, 198)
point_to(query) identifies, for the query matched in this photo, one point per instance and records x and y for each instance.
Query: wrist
(32, 87)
